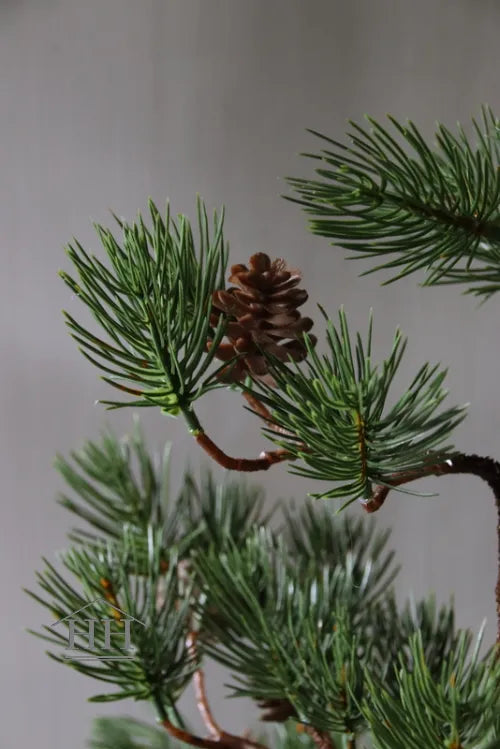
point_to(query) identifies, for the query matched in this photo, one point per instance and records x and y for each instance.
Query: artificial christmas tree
(305, 616)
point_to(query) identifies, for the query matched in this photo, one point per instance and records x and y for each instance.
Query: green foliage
(334, 411)
(117, 483)
(304, 615)
(153, 303)
(139, 557)
(126, 733)
(116, 576)
(292, 628)
(389, 194)
(395, 629)
(280, 632)
(220, 513)
(317, 537)
(288, 737)
(459, 708)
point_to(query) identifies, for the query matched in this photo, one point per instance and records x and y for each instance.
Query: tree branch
(218, 737)
(484, 467)
(201, 698)
(226, 741)
(261, 410)
(262, 463)
(189, 738)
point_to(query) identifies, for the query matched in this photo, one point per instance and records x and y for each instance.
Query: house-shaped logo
(100, 638)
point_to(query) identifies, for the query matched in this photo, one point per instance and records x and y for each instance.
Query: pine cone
(262, 316)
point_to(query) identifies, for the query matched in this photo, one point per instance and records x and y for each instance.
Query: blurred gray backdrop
(106, 102)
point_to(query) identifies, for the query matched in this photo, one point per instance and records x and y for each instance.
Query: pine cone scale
(262, 316)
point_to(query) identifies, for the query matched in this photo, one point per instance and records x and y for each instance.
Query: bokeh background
(106, 102)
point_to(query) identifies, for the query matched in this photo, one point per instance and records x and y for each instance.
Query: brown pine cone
(262, 316)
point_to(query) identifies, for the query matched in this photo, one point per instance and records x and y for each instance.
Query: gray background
(105, 102)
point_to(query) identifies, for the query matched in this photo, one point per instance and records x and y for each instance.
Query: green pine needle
(153, 302)
(131, 574)
(387, 194)
(456, 708)
(339, 425)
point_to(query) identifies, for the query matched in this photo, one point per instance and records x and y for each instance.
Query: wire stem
(484, 467)
(189, 738)
(218, 737)
(262, 463)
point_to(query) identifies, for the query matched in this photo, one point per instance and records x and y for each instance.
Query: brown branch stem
(226, 741)
(189, 738)
(484, 467)
(201, 697)
(261, 410)
(262, 463)
(218, 737)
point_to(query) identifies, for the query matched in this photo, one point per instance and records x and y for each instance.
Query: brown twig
(189, 738)
(261, 410)
(227, 740)
(262, 463)
(484, 467)
(201, 698)
(218, 737)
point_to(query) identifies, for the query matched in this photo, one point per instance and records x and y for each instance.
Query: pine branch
(276, 623)
(114, 482)
(226, 740)
(389, 194)
(107, 576)
(216, 514)
(246, 465)
(201, 697)
(153, 303)
(222, 740)
(331, 414)
(486, 468)
(457, 708)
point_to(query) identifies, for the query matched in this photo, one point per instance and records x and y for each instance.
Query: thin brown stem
(218, 737)
(201, 697)
(261, 410)
(189, 738)
(484, 467)
(226, 741)
(262, 463)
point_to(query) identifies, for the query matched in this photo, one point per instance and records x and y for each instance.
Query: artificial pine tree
(304, 617)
